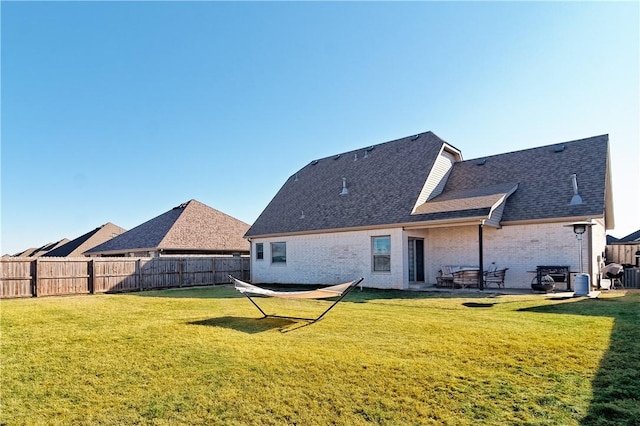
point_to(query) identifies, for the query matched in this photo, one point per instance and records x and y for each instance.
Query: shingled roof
(384, 182)
(40, 251)
(87, 241)
(191, 227)
(544, 179)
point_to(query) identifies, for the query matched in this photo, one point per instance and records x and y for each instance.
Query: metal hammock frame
(340, 291)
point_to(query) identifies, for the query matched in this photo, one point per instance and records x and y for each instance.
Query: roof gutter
(409, 225)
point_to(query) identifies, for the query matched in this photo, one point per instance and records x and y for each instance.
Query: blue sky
(119, 111)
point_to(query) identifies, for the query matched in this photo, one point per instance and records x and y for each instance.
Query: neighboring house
(87, 241)
(397, 212)
(625, 250)
(40, 251)
(192, 228)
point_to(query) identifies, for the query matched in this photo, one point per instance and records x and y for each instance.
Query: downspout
(480, 257)
(590, 252)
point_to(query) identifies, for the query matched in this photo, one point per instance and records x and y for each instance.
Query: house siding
(437, 177)
(343, 256)
(521, 248)
(330, 258)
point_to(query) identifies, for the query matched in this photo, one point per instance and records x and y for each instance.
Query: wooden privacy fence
(624, 254)
(28, 277)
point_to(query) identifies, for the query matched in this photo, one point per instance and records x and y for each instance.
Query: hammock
(338, 290)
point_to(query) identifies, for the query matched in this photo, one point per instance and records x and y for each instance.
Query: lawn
(203, 356)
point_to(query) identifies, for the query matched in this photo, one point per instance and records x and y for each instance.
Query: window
(278, 252)
(259, 251)
(381, 248)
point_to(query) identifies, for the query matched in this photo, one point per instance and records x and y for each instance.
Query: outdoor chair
(495, 277)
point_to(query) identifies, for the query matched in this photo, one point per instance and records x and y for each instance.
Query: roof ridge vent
(345, 191)
(337, 156)
(559, 148)
(481, 161)
(366, 154)
(576, 199)
(355, 157)
(314, 162)
(415, 137)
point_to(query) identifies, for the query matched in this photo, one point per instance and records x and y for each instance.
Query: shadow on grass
(478, 305)
(247, 325)
(616, 386)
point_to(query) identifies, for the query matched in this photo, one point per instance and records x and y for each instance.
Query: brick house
(396, 212)
(192, 228)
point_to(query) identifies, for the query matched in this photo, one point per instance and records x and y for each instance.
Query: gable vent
(558, 148)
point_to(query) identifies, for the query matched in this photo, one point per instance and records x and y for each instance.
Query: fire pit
(545, 284)
(555, 274)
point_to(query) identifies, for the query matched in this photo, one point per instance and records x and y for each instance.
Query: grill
(560, 274)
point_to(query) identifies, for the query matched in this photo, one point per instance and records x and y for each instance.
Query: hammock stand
(339, 290)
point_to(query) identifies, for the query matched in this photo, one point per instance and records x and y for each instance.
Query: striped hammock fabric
(321, 293)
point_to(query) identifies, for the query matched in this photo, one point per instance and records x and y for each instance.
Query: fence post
(34, 278)
(180, 272)
(213, 271)
(91, 277)
(139, 269)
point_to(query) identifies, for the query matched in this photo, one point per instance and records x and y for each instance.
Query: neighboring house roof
(87, 241)
(39, 251)
(189, 227)
(383, 188)
(611, 239)
(48, 247)
(632, 238)
(28, 252)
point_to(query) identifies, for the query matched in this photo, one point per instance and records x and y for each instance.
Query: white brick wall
(329, 259)
(520, 248)
(344, 256)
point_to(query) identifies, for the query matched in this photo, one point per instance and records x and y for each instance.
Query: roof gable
(381, 185)
(189, 226)
(386, 183)
(544, 181)
(91, 239)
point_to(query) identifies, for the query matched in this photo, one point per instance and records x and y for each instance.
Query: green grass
(202, 356)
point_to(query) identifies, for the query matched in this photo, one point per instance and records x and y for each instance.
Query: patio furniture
(466, 278)
(445, 276)
(495, 277)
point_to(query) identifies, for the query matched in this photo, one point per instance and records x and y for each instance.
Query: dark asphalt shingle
(384, 186)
